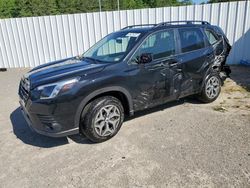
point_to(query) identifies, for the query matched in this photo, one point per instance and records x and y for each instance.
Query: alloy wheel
(212, 87)
(107, 120)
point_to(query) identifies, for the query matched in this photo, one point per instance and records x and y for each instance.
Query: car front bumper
(46, 124)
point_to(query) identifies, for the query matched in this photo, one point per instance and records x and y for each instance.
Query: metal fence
(28, 42)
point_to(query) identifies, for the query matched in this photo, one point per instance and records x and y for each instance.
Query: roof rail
(167, 23)
(141, 25)
(184, 21)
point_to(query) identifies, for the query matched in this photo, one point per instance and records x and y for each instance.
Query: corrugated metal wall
(28, 42)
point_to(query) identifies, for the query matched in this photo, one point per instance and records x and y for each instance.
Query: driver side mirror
(145, 58)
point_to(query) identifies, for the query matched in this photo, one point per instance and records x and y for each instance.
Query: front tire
(211, 88)
(102, 118)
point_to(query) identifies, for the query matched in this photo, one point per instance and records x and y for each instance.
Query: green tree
(132, 4)
(25, 8)
(35, 8)
(83, 6)
(7, 8)
(76, 6)
(162, 3)
(66, 6)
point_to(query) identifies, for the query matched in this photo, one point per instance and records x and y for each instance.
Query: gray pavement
(180, 144)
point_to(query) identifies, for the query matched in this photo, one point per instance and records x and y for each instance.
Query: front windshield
(114, 47)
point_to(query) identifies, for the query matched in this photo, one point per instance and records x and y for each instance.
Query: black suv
(138, 67)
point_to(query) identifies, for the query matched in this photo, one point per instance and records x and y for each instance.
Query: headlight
(50, 91)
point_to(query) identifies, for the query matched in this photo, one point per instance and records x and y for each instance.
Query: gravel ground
(180, 144)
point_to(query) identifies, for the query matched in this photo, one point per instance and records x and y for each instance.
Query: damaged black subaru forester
(138, 67)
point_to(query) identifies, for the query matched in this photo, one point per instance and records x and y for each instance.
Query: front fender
(85, 101)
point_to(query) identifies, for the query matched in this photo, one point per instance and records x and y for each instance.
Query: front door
(152, 82)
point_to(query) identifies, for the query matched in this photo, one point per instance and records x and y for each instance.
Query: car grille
(24, 89)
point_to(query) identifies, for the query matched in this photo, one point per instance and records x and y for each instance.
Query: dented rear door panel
(194, 66)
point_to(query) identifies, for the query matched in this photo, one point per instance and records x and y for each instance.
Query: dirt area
(235, 96)
(180, 144)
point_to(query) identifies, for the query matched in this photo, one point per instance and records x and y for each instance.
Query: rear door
(195, 56)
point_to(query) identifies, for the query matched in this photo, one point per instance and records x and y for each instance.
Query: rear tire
(211, 88)
(102, 118)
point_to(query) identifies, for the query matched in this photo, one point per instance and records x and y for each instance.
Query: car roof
(164, 25)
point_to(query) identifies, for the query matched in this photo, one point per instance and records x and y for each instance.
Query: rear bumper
(44, 129)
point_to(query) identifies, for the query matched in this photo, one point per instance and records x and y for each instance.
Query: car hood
(62, 69)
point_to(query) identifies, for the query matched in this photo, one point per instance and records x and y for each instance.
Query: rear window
(191, 39)
(212, 38)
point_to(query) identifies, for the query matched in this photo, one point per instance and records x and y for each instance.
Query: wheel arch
(209, 71)
(116, 91)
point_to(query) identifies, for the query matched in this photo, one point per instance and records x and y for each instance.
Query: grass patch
(237, 98)
(231, 89)
(247, 88)
(223, 102)
(247, 96)
(219, 108)
(231, 86)
(236, 106)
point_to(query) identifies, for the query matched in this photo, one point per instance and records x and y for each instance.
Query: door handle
(173, 63)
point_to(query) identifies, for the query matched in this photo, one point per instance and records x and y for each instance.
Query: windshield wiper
(89, 58)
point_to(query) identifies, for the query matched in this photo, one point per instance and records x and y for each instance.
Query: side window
(159, 45)
(212, 38)
(191, 39)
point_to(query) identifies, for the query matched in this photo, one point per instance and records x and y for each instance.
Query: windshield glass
(114, 47)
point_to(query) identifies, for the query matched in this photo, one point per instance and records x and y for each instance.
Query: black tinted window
(159, 45)
(212, 38)
(191, 39)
